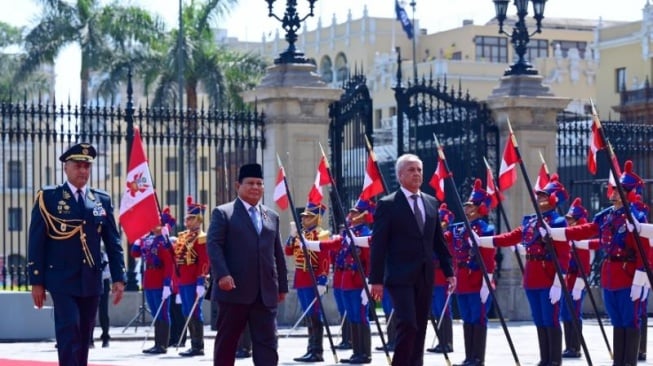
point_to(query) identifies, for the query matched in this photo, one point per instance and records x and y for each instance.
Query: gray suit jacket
(255, 261)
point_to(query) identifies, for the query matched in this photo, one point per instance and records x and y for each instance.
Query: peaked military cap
(79, 152)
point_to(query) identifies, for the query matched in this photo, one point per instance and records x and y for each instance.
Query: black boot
(196, 329)
(572, 341)
(355, 343)
(468, 333)
(362, 344)
(445, 344)
(161, 338)
(315, 350)
(543, 342)
(643, 335)
(391, 330)
(311, 334)
(479, 340)
(555, 345)
(345, 331)
(618, 345)
(632, 346)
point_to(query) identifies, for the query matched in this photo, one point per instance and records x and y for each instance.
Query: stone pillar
(295, 102)
(532, 111)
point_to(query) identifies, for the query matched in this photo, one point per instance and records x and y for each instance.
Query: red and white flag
(596, 144)
(139, 210)
(612, 184)
(508, 169)
(437, 180)
(491, 189)
(280, 190)
(373, 184)
(322, 178)
(542, 178)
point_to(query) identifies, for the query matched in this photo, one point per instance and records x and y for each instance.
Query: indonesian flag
(437, 180)
(280, 190)
(491, 189)
(508, 169)
(596, 144)
(372, 185)
(322, 178)
(542, 178)
(139, 211)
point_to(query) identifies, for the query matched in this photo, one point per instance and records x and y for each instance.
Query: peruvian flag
(491, 189)
(437, 180)
(542, 178)
(596, 144)
(280, 190)
(508, 169)
(612, 184)
(372, 185)
(139, 210)
(322, 178)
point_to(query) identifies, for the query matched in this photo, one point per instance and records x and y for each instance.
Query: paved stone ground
(125, 348)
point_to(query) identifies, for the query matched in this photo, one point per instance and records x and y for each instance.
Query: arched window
(342, 71)
(326, 69)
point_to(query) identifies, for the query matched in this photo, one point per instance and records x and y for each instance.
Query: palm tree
(103, 33)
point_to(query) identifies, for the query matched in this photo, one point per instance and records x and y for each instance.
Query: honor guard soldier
(319, 261)
(350, 281)
(156, 251)
(623, 277)
(472, 292)
(439, 295)
(68, 224)
(543, 288)
(193, 266)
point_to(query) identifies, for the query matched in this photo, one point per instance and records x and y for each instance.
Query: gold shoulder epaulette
(323, 235)
(201, 238)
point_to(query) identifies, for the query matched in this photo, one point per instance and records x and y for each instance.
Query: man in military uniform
(155, 249)
(68, 224)
(193, 267)
(319, 261)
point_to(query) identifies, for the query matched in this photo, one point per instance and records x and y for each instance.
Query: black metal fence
(190, 152)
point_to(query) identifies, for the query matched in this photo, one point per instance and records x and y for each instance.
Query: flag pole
(502, 214)
(614, 168)
(311, 272)
(477, 253)
(583, 276)
(549, 246)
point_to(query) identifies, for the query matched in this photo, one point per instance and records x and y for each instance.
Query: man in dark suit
(407, 235)
(68, 223)
(247, 259)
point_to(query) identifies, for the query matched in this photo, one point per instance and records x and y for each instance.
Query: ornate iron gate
(351, 120)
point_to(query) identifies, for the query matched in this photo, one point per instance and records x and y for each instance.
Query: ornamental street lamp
(519, 36)
(291, 22)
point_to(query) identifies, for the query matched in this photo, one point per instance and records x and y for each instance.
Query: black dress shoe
(156, 350)
(310, 357)
(360, 359)
(243, 353)
(105, 343)
(570, 353)
(641, 356)
(440, 349)
(192, 352)
(389, 346)
(343, 345)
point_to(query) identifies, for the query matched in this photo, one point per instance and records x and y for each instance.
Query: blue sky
(249, 20)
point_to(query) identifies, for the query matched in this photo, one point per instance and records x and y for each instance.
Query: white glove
(313, 245)
(293, 229)
(165, 231)
(485, 241)
(364, 299)
(362, 241)
(646, 230)
(545, 229)
(485, 290)
(558, 233)
(166, 292)
(555, 292)
(646, 289)
(200, 290)
(630, 226)
(639, 281)
(577, 291)
(321, 289)
(178, 299)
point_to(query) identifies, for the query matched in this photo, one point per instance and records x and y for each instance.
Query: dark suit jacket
(60, 264)
(255, 261)
(398, 250)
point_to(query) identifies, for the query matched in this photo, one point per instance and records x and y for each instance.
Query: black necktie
(418, 213)
(80, 199)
